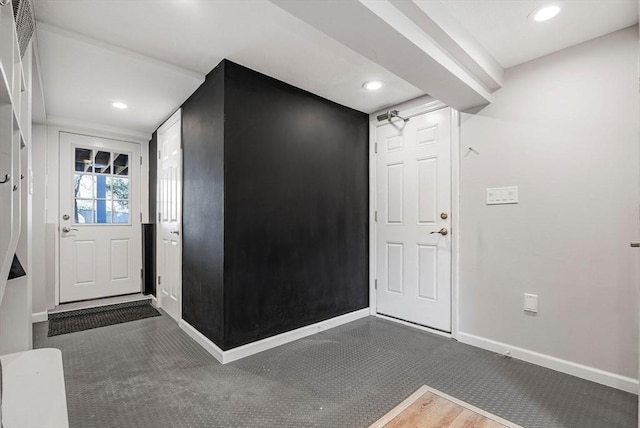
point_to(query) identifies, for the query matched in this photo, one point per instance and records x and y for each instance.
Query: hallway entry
(100, 243)
(413, 230)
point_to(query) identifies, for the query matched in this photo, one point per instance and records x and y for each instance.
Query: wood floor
(428, 408)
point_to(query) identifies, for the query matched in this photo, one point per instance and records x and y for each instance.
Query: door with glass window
(100, 241)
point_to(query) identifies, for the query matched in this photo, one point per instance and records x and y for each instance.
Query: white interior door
(100, 237)
(413, 176)
(169, 261)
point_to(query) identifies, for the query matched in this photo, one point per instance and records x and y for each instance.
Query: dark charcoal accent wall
(153, 179)
(296, 207)
(203, 207)
(149, 234)
(275, 207)
(149, 258)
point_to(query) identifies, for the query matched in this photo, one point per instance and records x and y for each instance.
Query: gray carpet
(150, 374)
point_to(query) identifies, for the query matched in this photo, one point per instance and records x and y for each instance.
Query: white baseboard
(416, 326)
(208, 345)
(590, 373)
(154, 301)
(39, 317)
(270, 342)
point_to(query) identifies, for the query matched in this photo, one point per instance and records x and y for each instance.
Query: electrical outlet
(531, 303)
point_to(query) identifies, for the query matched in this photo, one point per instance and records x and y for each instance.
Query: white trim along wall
(243, 351)
(580, 370)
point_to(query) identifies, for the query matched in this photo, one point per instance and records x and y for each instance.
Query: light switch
(531, 303)
(502, 195)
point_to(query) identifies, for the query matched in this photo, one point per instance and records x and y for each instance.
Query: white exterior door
(100, 237)
(413, 179)
(169, 262)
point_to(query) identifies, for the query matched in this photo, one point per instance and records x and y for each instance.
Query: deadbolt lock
(65, 217)
(444, 216)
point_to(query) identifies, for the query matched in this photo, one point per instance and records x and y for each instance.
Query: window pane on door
(118, 188)
(84, 211)
(120, 211)
(102, 162)
(83, 186)
(120, 164)
(101, 187)
(83, 160)
(103, 211)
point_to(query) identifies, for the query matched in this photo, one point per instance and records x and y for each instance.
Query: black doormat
(86, 319)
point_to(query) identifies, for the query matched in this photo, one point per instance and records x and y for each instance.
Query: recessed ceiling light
(119, 105)
(373, 85)
(544, 13)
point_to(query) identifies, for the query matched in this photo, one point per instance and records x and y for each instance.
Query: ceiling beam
(436, 21)
(427, 51)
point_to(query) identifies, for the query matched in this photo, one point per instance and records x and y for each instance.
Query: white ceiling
(195, 35)
(501, 26)
(82, 79)
(152, 54)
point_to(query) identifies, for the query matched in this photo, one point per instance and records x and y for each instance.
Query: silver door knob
(175, 232)
(443, 232)
(68, 229)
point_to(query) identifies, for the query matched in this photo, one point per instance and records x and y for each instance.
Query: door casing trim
(175, 117)
(426, 107)
(53, 182)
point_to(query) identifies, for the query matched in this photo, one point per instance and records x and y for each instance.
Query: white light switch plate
(502, 195)
(531, 303)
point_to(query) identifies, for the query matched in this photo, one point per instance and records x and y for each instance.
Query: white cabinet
(15, 137)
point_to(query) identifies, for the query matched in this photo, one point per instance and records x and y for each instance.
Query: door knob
(68, 229)
(442, 232)
(175, 232)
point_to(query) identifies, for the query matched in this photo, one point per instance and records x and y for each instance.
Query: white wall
(564, 128)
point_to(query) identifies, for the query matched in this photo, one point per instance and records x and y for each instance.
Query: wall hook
(7, 177)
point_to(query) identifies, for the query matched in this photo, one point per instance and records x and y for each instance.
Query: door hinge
(141, 272)
(159, 280)
(375, 286)
(140, 217)
(140, 160)
(159, 157)
(158, 217)
(375, 147)
(375, 216)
